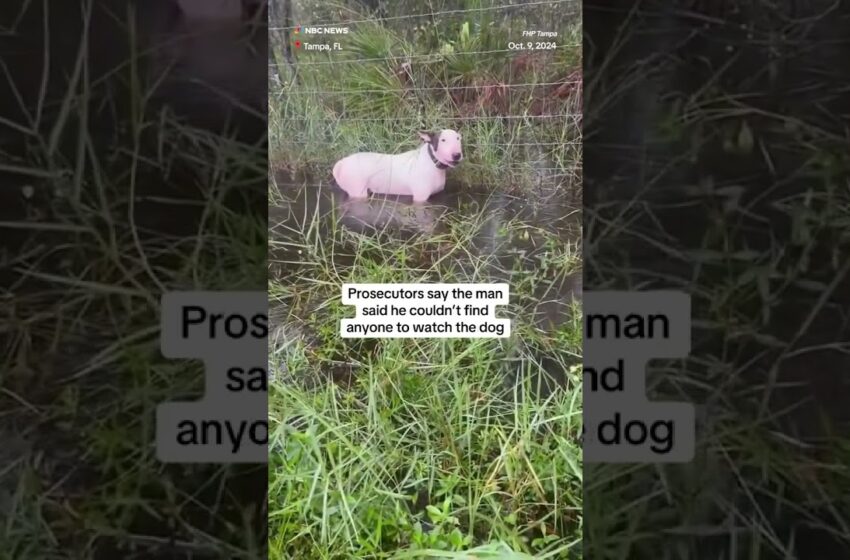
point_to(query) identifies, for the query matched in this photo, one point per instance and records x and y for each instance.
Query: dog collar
(438, 163)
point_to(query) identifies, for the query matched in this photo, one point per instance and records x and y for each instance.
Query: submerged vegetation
(732, 187)
(427, 445)
(426, 448)
(110, 198)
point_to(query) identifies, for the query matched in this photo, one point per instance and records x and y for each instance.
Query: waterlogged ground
(486, 237)
(424, 444)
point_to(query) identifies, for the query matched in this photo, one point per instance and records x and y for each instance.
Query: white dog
(418, 173)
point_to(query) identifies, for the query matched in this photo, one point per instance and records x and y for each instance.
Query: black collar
(438, 163)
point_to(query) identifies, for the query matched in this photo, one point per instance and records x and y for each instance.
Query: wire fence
(557, 97)
(574, 116)
(434, 14)
(475, 145)
(434, 88)
(437, 57)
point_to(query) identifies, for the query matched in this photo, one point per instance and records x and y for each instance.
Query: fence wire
(472, 145)
(438, 56)
(432, 14)
(574, 119)
(435, 88)
(574, 116)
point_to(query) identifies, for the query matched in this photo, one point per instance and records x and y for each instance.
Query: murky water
(327, 206)
(784, 59)
(510, 234)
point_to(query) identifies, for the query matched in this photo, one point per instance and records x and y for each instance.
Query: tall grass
(394, 79)
(119, 206)
(415, 448)
(738, 204)
(425, 448)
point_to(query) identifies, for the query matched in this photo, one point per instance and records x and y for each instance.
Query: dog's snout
(456, 156)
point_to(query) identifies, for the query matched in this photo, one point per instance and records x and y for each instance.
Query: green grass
(744, 208)
(83, 373)
(420, 448)
(390, 81)
(426, 448)
(95, 245)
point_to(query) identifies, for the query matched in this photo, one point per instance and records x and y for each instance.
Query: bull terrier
(418, 173)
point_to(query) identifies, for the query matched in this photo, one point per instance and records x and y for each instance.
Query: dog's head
(446, 146)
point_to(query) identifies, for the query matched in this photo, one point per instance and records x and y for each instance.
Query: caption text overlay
(229, 332)
(425, 311)
(623, 331)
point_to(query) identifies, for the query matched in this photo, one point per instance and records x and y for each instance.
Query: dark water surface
(509, 237)
(487, 212)
(716, 128)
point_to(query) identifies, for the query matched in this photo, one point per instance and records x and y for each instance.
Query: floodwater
(553, 213)
(399, 217)
(780, 62)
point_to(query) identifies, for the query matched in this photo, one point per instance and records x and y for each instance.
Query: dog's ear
(425, 136)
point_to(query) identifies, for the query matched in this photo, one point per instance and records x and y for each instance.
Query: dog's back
(364, 172)
(418, 173)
